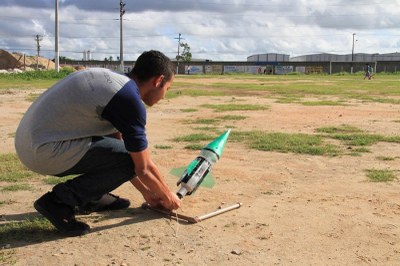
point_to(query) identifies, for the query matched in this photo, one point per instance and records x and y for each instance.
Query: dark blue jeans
(106, 166)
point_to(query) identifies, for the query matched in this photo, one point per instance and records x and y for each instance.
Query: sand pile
(24, 62)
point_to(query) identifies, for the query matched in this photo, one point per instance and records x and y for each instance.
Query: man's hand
(152, 199)
(172, 203)
(150, 182)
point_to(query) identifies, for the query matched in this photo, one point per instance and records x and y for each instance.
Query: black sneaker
(107, 202)
(60, 215)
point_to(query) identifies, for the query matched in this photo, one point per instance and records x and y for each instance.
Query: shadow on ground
(19, 230)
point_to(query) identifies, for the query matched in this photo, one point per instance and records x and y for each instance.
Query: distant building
(87, 56)
(359, 57)
(271, 57)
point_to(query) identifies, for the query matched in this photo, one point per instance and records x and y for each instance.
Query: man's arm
(150, 182)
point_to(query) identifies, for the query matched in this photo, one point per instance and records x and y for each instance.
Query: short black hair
(152, 64)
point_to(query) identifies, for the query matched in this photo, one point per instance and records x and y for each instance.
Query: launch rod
(217, 212)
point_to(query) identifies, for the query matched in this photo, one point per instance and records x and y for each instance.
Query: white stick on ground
(190, 219)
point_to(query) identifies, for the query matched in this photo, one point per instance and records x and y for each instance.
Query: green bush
(38, 74)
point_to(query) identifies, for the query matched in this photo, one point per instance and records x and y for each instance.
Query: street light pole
(57, 53)
(121, 44)
(352, 55)
(177, 58)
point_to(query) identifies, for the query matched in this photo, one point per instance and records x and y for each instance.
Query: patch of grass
(229, 127)
(32, 97)
(29, 230)
(339, 129)
(203, 92)
(376, 175)
(385, 158)
(163, 147)
(235, 107)
(194, 146)
(354, 136)
(218, 120)
(54, 180)
(358, 139)
(33, 79)
(15, 176)
(11, 169)
(17, 187)
(288, 99)
(7, 202)
(38, 74)
(205, 121)
(323, 103)
(394, 139)
(386, 100)
(346, 87)
(357, 151)
(361, 149)
(18, 84)
(173, 94)
(355, 154)
(6, 257)
(284, 142)
(188, 110)
(232, 117)
(193, 90)
(207, 128)
(194, 138)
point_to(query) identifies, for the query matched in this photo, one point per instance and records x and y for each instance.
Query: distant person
(93, 124)
(368, 72)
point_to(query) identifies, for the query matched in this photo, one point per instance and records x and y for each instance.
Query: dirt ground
(297, 209)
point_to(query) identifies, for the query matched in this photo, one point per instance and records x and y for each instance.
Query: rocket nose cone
(218, 144)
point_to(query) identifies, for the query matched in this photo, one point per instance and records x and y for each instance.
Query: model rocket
(198, 169)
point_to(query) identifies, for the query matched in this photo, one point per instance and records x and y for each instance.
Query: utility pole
(57, 54)
(121, 43)
(38, 38)
(352, 55)
(177, 58)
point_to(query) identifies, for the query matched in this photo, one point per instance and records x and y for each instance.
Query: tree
(108, 59)
(186, 55)
(62, 59)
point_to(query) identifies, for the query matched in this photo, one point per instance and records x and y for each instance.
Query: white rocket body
(196, 172)
(198, 169)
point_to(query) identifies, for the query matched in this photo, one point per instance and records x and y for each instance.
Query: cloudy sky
(213, 29)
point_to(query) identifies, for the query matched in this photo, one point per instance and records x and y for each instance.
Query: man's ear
(158, 80)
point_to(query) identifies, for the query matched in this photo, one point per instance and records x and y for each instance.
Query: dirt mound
(24, 62)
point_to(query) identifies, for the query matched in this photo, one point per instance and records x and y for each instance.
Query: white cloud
(214, 29)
